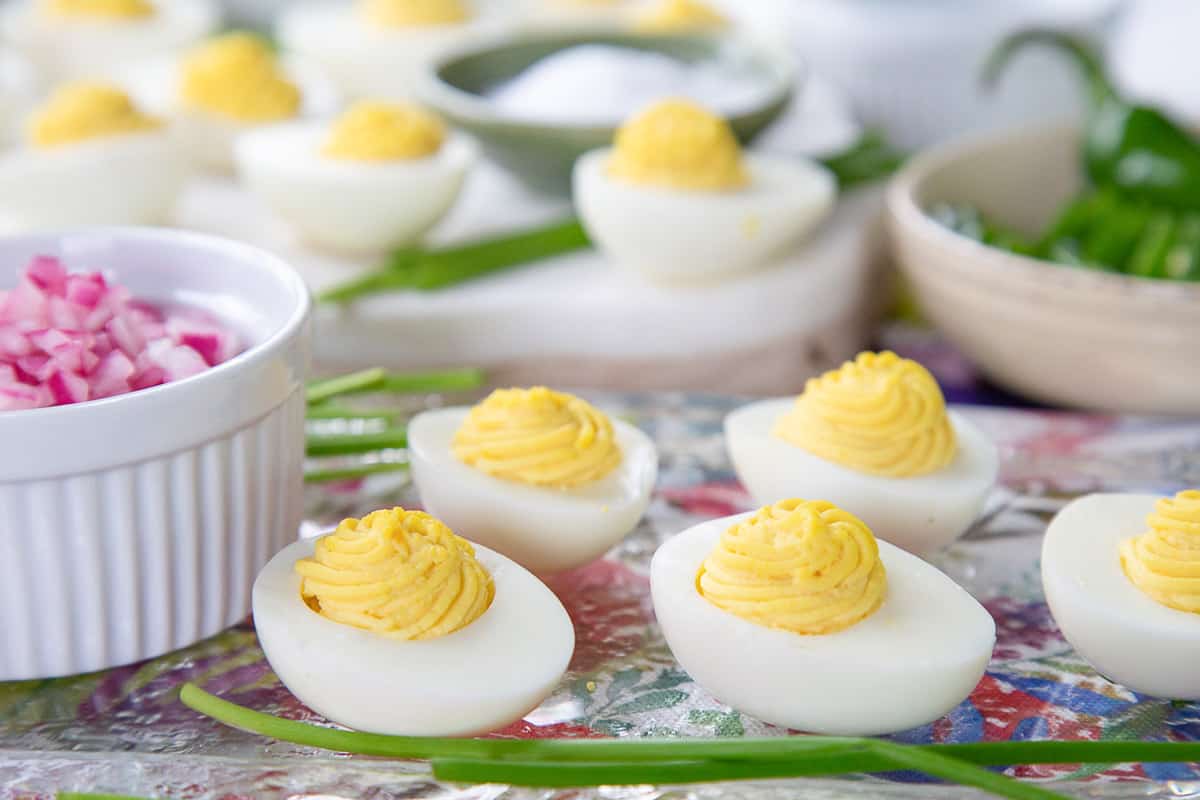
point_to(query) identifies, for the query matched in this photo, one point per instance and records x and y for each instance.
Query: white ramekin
(135, 525)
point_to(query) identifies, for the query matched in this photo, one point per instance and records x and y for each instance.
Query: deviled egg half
(676, 200)
(378, 177)
(796, 615)
(90, 156)
(679, 16)
(381, 48)
(541, 476)
(225, 87)
(83, 38)
(392, 624)
(875, 437)
(1121, 573)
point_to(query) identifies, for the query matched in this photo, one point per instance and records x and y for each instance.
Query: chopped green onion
(354, 473)
(319, 391)
(870, 158)
(348, 444)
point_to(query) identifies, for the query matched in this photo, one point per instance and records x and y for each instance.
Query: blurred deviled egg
(19, 90)
(83, 38)
(679, 16)
(225, 87)
(392, 624)
(1121, 574)
(381, 48)
(676, 200)
(541, 476)
(579, 14)
(797, 615)
(873, 436)
(378, 177)
(90, 157)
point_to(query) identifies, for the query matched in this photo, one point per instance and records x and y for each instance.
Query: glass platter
(125, 731)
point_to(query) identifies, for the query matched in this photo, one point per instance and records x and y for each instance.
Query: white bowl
(135, 525)
(1061, 334)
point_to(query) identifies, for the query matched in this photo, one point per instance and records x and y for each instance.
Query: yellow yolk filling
(237, 76)
(801, 566)
(385, 132)
(672, 15)
(401, 574)
(1164, 562)
(879, 414)
(81, 111)
(678, 145)
(105, 9)
(412, 13)
(539, 437)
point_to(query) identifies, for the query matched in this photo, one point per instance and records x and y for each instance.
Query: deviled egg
(676, 200)
(392, 624)
(873, 436)
(19, 90)
(1121, 574)
(90, 156)
(380, 48)
(83, 38)
(542, 476)
(796, 615)
(378, 177)
(579, 14)
(679, 16)
(227, 86)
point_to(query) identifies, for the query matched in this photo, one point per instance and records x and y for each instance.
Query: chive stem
(354, 473)
(937, 765)
(346, 444)
(779, 748)
(323, 411)
(319, 391)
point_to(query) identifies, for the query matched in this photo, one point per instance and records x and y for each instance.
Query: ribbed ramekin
(135, 525)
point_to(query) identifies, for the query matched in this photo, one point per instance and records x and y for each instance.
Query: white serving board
(580, 321)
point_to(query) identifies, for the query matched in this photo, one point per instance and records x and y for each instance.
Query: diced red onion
(67, 338)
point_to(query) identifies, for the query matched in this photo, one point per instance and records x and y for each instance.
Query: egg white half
(545, 529)
(475, 680)
(1127, 636)
(65, 49)
(676, 236)
(208, 139)
(920, 514)
(130, 179)
(911, 662)
(351, 206)
(372, 62)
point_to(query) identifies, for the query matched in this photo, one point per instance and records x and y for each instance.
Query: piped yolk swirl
(378, 132)
(539, 437)
(81, 111)
(401, 574)
(879, 414)
(100, 9)
(677, 144)
(1164, 562)
(801, 566)
(413, 13)
(238, 77)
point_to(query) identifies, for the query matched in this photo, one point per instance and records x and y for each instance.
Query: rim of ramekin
(251, 356)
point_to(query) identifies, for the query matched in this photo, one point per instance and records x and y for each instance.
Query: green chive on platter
(637, 715)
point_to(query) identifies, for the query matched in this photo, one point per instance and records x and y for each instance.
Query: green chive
(321, 445)
(353, 473)
(331, 411)
(453, 380)
(666, 750)
(426, 270)
(319, 391)
(937, 765)
(96, 796)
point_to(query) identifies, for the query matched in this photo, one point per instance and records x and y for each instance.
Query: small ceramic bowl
(542, 154)
(135, 525)
(1064, 335)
